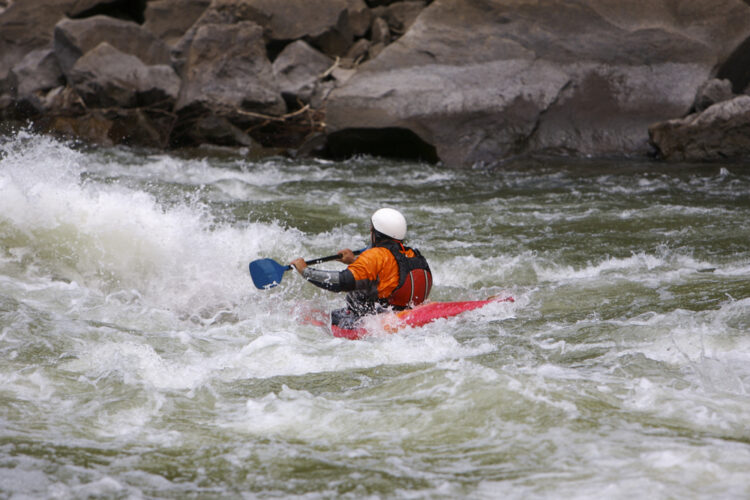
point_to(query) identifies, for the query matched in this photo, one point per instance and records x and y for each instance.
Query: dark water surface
(138, 361)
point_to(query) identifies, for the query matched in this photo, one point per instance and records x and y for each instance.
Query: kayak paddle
(267, 273)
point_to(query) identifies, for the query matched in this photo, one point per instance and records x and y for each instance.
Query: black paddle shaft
(326, 259)
(267, 273)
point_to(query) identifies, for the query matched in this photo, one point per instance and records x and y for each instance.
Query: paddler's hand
(299, 264)
(347, 256)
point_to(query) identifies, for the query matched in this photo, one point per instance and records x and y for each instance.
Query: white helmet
(390, 222)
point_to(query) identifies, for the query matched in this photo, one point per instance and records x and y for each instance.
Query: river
(138, 360)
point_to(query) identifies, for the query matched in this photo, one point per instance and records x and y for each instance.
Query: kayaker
(388, 275)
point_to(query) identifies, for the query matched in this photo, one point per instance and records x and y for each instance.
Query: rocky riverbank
(464, 82)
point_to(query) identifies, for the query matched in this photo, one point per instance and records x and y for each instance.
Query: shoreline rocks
(452, 81)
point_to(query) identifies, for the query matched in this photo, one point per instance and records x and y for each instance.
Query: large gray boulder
(75, 37)
(106, 77)
(37, 72)
(298, 69)
(720, 132)
(228, 84)
(227, 71)
(484, 81)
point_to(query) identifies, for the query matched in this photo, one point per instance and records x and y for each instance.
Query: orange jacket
(378, 265)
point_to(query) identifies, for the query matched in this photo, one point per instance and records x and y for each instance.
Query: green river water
(138, 361)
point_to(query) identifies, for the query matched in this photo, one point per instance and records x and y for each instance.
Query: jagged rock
(720, 132)
(30, 79)
(169, 20)
(297, 69)
(73, 38)
(712, 92)
(483, 81)
(226, 74)
(106, 77)
(38, 71)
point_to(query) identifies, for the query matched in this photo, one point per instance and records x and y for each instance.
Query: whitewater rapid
(138, 361)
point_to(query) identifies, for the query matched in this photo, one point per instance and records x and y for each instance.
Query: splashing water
(139, 360)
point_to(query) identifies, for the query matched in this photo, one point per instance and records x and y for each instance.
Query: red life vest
(414, 276)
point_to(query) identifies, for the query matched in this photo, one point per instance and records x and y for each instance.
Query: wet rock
(145, 127)
(220, 131)
(91, 127)
(106, 77)
(73, 38)
(169, 20)
(141, 127)
(720, 132)
(490, 80)
(712, 92)
(298, 68)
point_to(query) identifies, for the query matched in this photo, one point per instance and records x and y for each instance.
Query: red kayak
(419, 316)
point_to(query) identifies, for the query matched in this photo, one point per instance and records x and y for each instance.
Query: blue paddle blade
(266, 273)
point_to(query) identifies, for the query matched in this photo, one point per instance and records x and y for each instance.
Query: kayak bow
(421, 315)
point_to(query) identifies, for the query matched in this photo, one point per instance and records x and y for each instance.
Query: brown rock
(720, 132)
